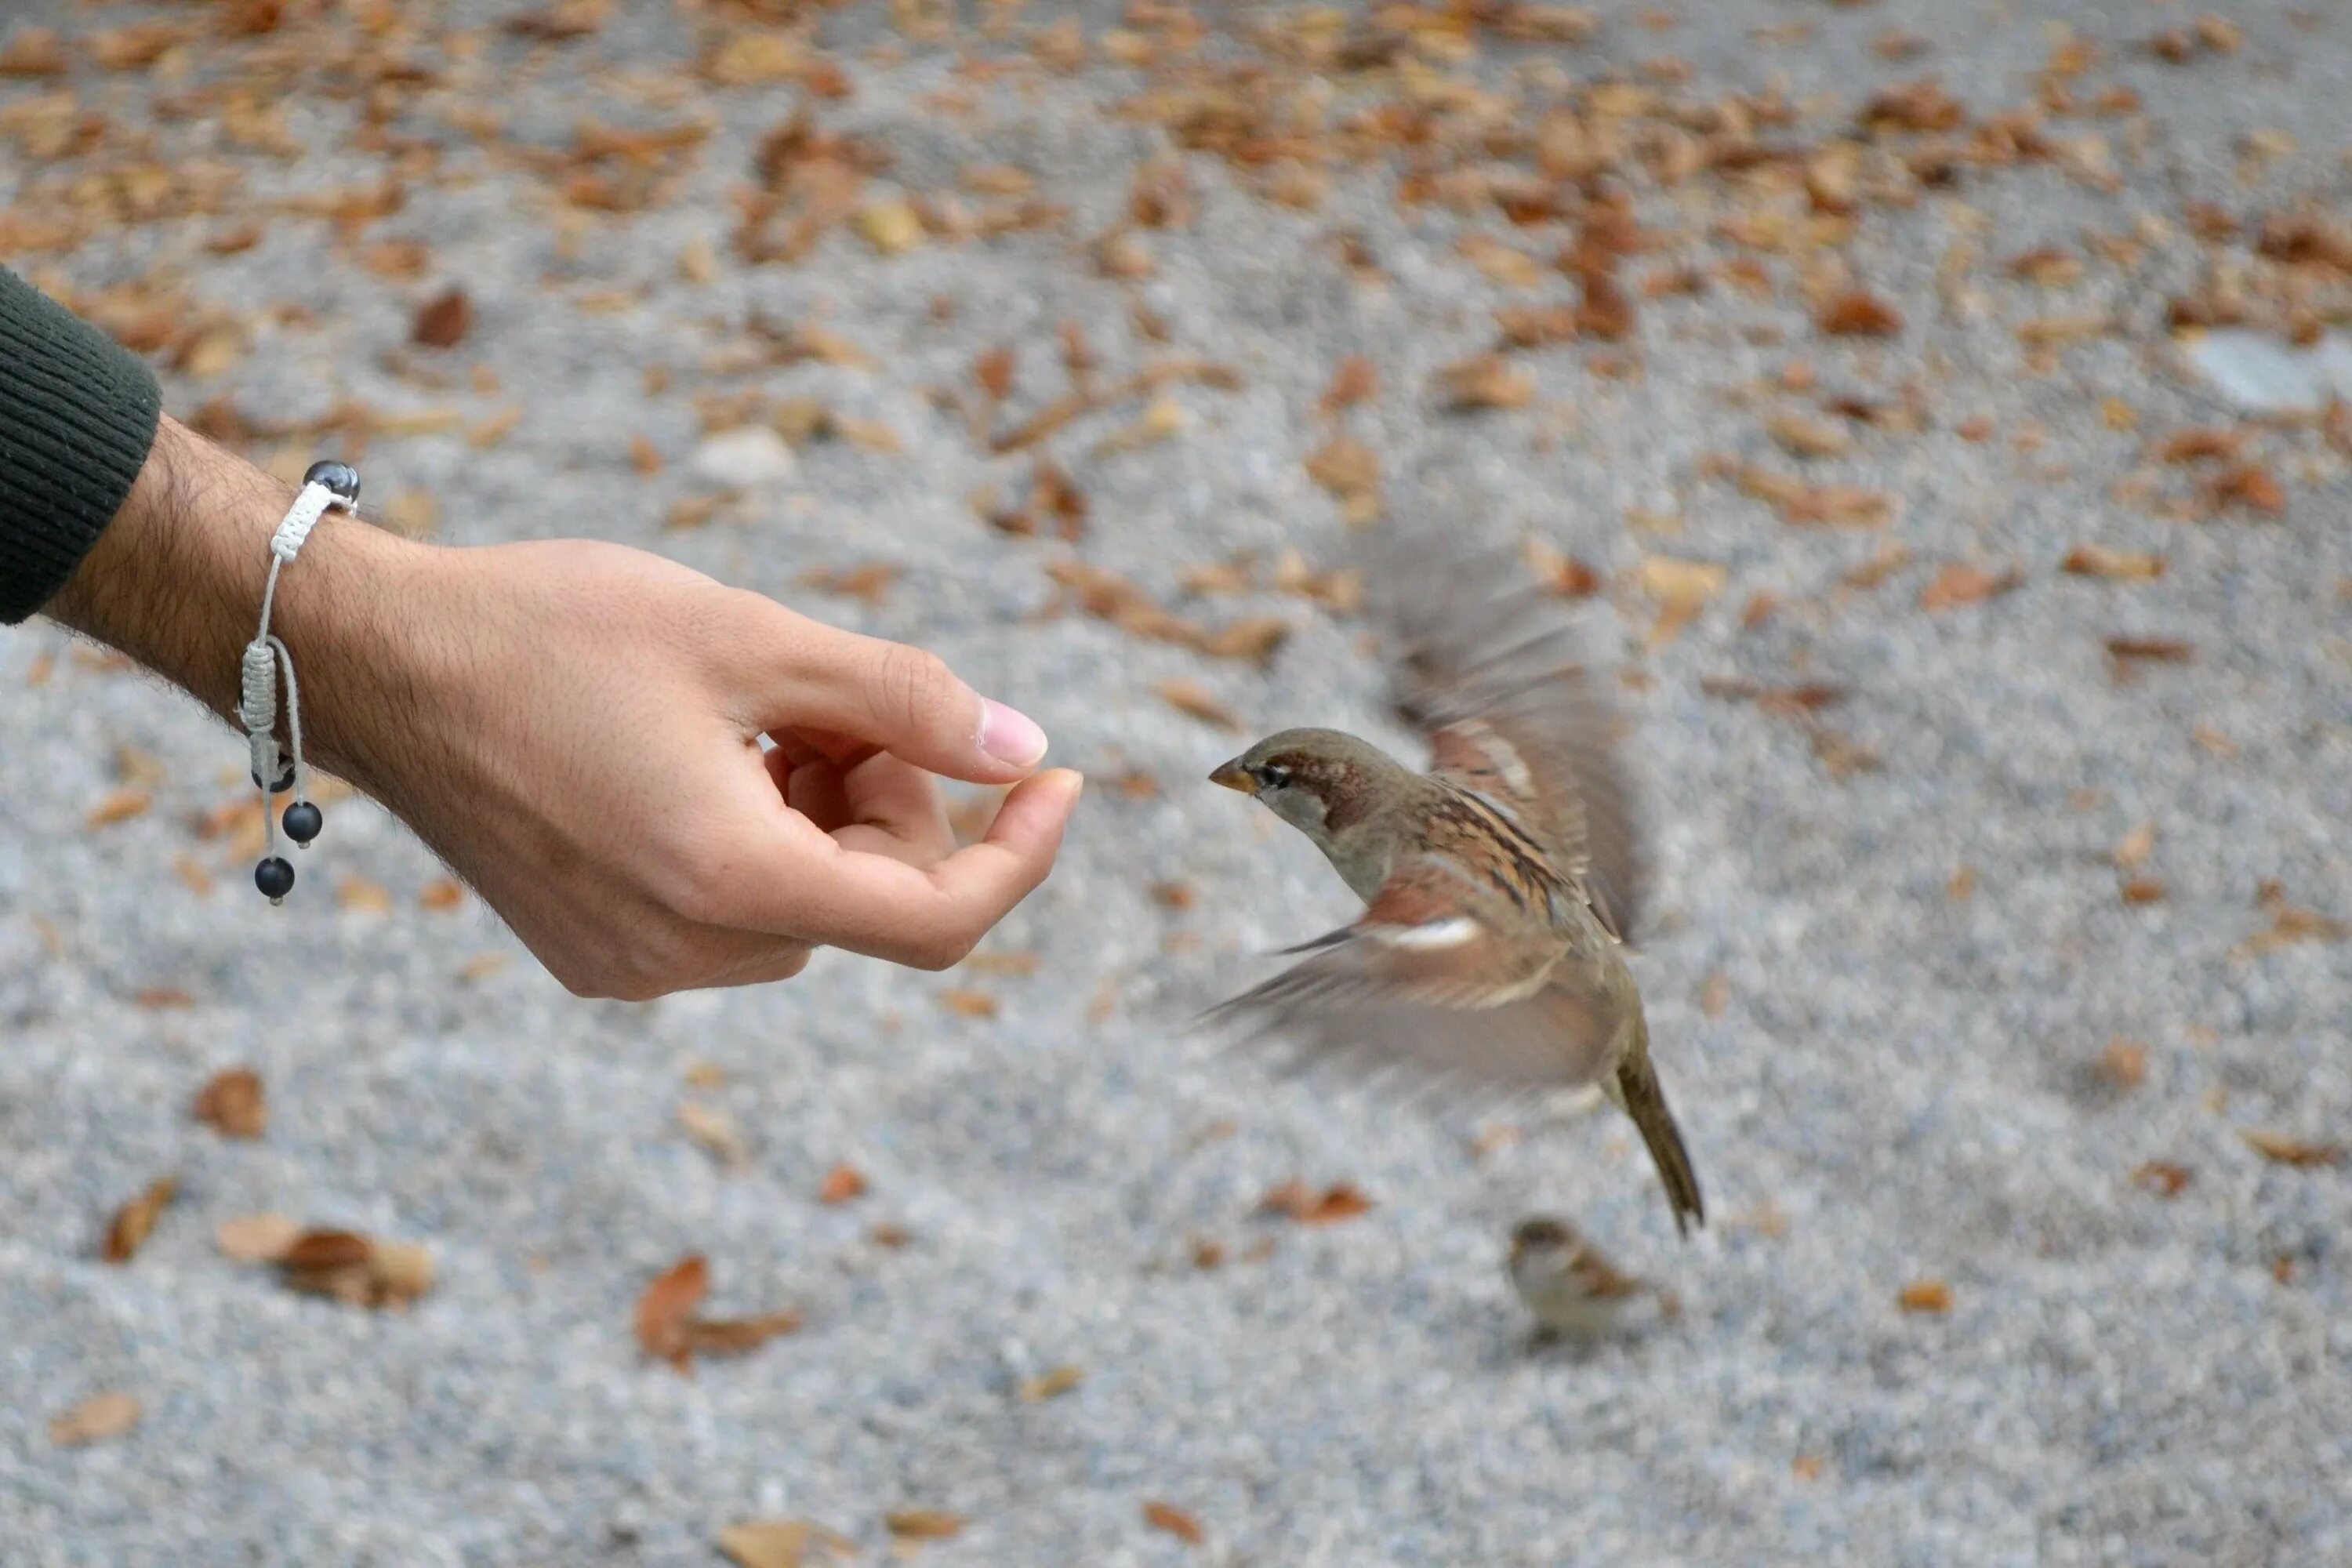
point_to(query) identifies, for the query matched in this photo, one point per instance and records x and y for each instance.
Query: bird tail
(1644, 1100)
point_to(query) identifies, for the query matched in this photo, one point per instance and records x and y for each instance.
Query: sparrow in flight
(1499, 886)
(1571, 1289)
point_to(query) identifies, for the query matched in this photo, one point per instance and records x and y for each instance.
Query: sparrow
(1499, 886)
(1571, 1289)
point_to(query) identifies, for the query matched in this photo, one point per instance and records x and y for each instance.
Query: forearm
(176, 581)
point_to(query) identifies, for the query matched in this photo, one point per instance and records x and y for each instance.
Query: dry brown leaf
(1805, 437)
(1174, 1520)
(1189, 697)
(1486, 380)
(483, 965)
(443, 321)
(968, 1003)
(257, 1237)
(923, 1523)
(1959, 584)
(841, 1183)
(666, 1306)
(135, 1220)
(2142, 891)
(2283, 1149)
(715, 1131)
(1925, 1295)
(1355, 380)
(767, 1542)
(1503, 263)
(993, 371)
(2197, 445)
(2133, 848)
(233, 1102)
(121, 806)
(2047, 266)
(2162, 1177)
(1295, 1200)
(356, 892)
(442, 894)
(2119, 565)
(1050, 1384)
(99, 1417)
(2153, 650)
(1858, 313)
(2247, 485)
(738, 1336)
(2289, 923)
(870, 581)
(2124, 1063)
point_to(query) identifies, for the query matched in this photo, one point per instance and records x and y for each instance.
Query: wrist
(177, 581)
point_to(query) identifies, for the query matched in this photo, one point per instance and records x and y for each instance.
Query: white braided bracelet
(327, 485)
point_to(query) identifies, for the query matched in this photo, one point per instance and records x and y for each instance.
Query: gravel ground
(1888, 1076)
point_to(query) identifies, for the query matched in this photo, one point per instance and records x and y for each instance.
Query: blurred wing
(1493, 667)
(1426, 983)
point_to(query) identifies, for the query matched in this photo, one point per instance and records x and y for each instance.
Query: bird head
(1322, 782)
(1542, 1236)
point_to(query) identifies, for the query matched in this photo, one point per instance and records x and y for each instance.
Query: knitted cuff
(78, 413)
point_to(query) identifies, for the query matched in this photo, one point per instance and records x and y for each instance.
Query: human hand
(575, 728)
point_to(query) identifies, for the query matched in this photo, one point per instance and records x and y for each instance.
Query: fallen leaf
(870, 581)
(135, 1220)
(356, 892)
(665, 1307)
(1190, 698)
(1858, 313)
(483, 965)
(1805, 437)
(2143, 890)
(738, 1336)
(2154, 650)
(1959, 584)
(1925, 1295)
(2289, 923)
(923, 1523)
(1174, 1520)
(715, 1131)
(767, 1542)
(1050, 1385)
(968, 1003)
(841, 1183)
(1295, 1200)
(99, 1417)
(1486, 380)
(2134, 848)
(442, 893)
(257, 1237)
(2120, 565)
(2162, 1177)
(2124, 1063)
(234, 1104)
(2197, 445)
(443, 321)
(121, 806)
(2284, 1150)
(2250, 486)
(1355, 380)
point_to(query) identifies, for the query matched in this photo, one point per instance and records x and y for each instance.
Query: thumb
(903, 700)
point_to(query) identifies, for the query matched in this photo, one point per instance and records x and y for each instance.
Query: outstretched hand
(575, 728)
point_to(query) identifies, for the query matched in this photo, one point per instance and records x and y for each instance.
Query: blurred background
(1936, 404)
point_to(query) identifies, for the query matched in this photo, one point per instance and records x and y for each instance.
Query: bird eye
(1272, 775)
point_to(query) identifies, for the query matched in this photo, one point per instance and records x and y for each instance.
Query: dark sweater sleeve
(78, 413)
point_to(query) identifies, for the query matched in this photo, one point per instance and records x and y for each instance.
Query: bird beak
(1233, 775)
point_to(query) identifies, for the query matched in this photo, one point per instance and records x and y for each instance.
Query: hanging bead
(303, 821)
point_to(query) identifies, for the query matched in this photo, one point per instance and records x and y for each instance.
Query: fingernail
(1009, 735)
